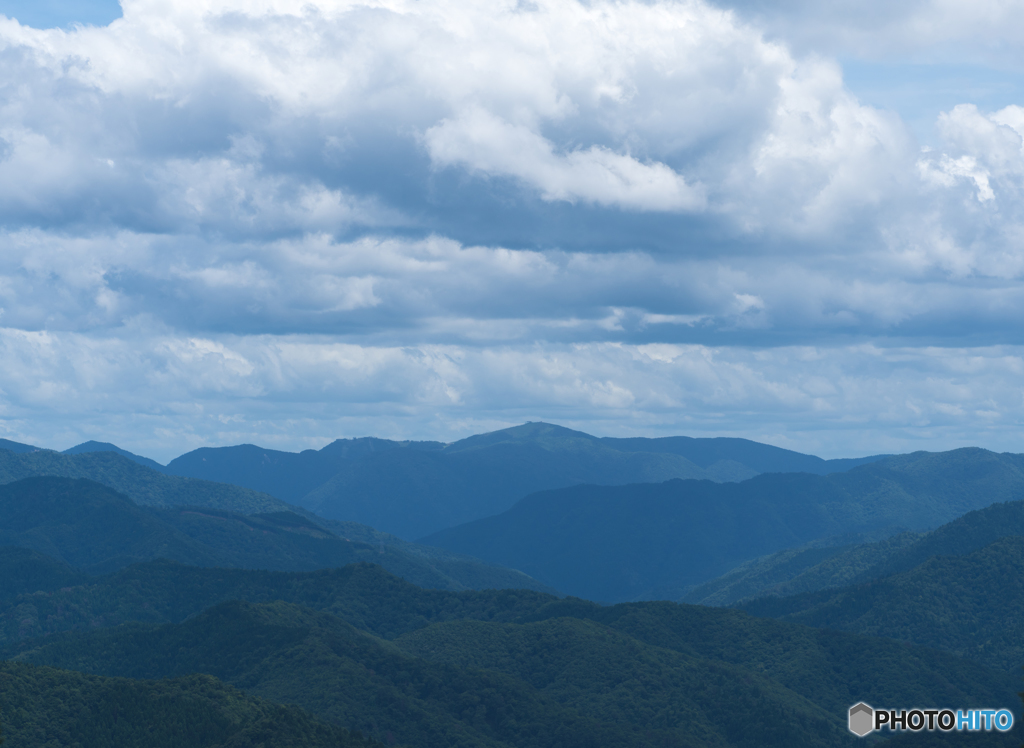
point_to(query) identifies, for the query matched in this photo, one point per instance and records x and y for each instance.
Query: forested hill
(411, 489)
(46, 708)
(614, 543)
(813, 568)
(958, 587)
(94, 446)
(414, 667)
(142, 484)
(972, 605)
(93, 528)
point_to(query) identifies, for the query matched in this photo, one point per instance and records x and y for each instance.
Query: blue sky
(283, 221)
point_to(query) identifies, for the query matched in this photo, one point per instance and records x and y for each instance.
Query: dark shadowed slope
(625, 542)
(44, 707)
(429, 566)
(511, 669)
(23, 570)
(88, 526)
(94, 446)
(91, 527)
(365, 595)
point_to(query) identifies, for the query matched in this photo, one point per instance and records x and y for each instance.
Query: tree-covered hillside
(810, 569)
(493, 668)
(23, 570)
(141, 484)
(95, 446)
(90, 527)
(165, 592)
(972, 605)
(47, 708)
(815, 566)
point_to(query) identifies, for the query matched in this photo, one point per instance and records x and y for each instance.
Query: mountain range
(615, 543)
(606, 542)
(126, 589)
(410, 489)
(130, 476)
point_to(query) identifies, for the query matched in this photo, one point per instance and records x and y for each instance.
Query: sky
(283, 222)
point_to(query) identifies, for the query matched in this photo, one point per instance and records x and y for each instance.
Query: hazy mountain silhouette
(414, 488)
(656, 540)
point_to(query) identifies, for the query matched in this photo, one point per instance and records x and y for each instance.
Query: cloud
(221, 216)
(160, 391)
(484, 144)
(246, 118)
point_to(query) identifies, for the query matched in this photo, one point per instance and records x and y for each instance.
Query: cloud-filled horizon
(284, 222)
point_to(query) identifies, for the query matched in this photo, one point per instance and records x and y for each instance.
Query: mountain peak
(531, 431)
(95, 446)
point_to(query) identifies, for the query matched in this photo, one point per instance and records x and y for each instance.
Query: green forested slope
(972, 605)
(971, 532)
(95, 446)
(796, 571)
(23, 570)
(181, 496)
(514, 664)
(92, 527)
(163, 592)
(88, 526)
(48, 708)
(828, 667)
(295, 655)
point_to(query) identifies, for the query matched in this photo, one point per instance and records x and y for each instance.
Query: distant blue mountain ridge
(414, 488)
(93, 446)
(411, 488)
(16, 447)
(659, 540)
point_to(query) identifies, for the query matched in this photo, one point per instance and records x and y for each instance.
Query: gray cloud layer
(287, 221)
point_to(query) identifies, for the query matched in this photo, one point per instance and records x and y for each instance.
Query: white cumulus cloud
(221, 219)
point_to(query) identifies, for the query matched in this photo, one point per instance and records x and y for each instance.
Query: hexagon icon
(862, 719)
